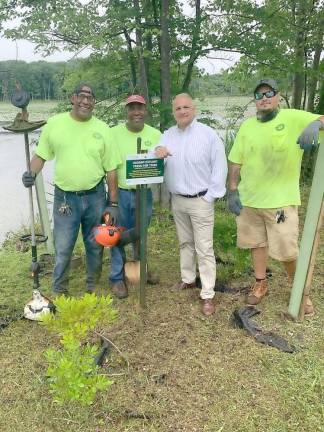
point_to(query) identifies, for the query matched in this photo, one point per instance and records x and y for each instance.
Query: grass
(221, 104)
(38, 110)
(186, 372)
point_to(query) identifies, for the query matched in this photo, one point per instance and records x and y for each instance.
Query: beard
(267, 114)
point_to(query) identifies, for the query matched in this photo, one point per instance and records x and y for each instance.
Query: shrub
(72, 372)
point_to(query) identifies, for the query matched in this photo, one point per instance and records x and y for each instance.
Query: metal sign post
(141, 170)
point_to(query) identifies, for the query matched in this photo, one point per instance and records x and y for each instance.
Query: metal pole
(143, 242)
(43, 212)
(307, 241)
(34, 266)
(137, 209)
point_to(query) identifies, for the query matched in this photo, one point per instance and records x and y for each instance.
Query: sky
(24, 50)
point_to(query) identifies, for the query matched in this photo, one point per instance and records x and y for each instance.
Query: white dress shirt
(198, 161)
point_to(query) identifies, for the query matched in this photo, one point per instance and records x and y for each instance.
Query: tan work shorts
(260, 228)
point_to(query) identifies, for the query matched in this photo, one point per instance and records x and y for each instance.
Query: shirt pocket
(94, 145)
(279, 141)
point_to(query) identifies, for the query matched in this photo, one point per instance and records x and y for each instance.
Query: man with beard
(264, 183)
(84, 156)
(124, 138)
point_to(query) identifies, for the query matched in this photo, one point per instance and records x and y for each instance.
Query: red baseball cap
(135, 99)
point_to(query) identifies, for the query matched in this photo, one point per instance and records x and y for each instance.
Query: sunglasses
(83, 96)
(268, 94)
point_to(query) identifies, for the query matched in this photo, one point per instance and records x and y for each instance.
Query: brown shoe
(179, 286)
(119, 289)
(208, 307)
(308, 308)
(152, 278)
(257, 292)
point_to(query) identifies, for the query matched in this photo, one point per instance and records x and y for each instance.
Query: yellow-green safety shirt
(126, 143)
(270, 159)
(83, 151)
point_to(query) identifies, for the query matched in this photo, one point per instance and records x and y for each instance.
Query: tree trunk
(298, 78)
(131, 58)
(194, 48)
(143, 87)
(320, 106)
(313, 79)
(165, 67)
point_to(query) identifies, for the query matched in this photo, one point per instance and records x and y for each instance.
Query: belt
(130, 190)
(82, 192)
(127, 190)
(199, 194)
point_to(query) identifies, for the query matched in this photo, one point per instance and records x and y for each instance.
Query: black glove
(309, 137)
(233, 202)
(113, 210)
(28, 178)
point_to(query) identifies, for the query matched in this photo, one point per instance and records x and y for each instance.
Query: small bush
(72, 372)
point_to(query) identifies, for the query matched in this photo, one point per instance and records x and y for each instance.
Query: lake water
(14, 198)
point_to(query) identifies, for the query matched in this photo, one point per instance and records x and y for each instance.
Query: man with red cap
(124, 138)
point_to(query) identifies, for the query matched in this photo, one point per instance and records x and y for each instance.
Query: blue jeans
(86, 210)
(127, 204)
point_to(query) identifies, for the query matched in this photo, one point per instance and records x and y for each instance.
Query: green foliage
(208, 118)
(43, 80)
(76, 317)
(73, 374)
(236, 261)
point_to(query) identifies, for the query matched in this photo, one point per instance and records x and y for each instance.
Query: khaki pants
(194, 219)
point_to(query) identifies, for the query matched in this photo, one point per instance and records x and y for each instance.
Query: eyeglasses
(268, 94)
(83, 96)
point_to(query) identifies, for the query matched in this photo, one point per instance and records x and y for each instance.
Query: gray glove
(233, 202)
(113, 210)
(309, 137)
(28, 178)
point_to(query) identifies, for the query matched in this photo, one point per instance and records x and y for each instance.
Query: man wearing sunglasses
(84, 156)
(264, 170)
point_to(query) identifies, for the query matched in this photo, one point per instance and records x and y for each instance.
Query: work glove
(309, 137)
(28, 178)
(233, 202)
(113, 211)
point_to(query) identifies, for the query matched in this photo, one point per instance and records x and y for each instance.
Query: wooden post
(310, 271)
(308, 238)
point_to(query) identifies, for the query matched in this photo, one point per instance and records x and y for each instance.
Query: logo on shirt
(147, 144)
(97, 135)
(280, 127)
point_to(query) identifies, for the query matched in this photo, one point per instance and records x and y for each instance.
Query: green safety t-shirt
(83, 151)
(270, 159)
(126, 143)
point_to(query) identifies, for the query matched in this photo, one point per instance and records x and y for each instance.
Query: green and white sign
(144, 169)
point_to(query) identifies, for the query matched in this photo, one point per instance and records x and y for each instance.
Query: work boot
(119, 289)
(308, 307)
(257, 292)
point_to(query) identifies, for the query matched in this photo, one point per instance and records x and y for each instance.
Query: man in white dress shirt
(195, 174)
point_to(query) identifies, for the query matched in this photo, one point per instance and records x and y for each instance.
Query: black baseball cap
(268, 82)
